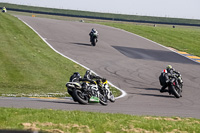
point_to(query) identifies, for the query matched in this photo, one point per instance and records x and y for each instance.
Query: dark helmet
(75, 77)
(77, 74)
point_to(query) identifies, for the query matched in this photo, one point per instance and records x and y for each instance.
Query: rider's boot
(163, 89)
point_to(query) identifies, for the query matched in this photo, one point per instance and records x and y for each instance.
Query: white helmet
(94, 30)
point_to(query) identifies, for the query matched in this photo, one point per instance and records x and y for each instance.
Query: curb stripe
(194, 57)
(180, 52)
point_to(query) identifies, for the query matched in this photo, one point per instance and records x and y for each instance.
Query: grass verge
(90, 122)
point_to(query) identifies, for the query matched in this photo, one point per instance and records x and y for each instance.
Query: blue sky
(164, 8)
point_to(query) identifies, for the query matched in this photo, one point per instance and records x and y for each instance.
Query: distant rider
(4, 9)
(93, 31)
(165, 77)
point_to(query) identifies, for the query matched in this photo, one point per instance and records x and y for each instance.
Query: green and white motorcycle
(87, 92)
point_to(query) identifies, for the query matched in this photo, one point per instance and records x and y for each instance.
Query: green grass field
(90, 122)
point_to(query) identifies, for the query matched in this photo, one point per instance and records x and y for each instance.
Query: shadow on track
(72, 103)
(153, 95)
(84, 44)
(151, 54)
(63, 102)
(154, 89)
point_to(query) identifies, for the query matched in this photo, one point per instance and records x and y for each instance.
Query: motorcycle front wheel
(94, 40)
(175, 91)
(103, 100)
(112, 98)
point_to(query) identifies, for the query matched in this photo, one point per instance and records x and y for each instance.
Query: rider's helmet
(87, 74)
(169, 67)
(94, 30)
(75, 77)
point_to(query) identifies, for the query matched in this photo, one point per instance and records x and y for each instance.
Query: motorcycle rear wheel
(72, 95)
(78, 94)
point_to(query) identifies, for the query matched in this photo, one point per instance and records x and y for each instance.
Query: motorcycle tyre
(94, 42)
(112, 99)
(174, 91)
(78, 96)
(72, 95)
(103, 100)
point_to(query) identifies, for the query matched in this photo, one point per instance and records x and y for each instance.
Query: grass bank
(28, 65)
(90, 122)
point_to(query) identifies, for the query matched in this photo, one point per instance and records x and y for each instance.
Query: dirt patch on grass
(166, 119)
(56, 128)
(188, 121)
(132, 129)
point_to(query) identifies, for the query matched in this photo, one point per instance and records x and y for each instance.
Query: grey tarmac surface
(128, 61)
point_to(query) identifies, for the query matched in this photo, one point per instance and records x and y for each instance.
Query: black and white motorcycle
(175, 85)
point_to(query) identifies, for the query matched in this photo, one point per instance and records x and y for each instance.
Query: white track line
(122, 91)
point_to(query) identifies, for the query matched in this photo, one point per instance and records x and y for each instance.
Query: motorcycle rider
(4, 9)
(74, 78)
(165, 76)
(90, 77)
(93, 31)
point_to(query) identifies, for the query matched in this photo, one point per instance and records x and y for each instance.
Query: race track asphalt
(130, 62)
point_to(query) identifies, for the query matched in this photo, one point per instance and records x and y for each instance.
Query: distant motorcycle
(94, 39)
(175, 85)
